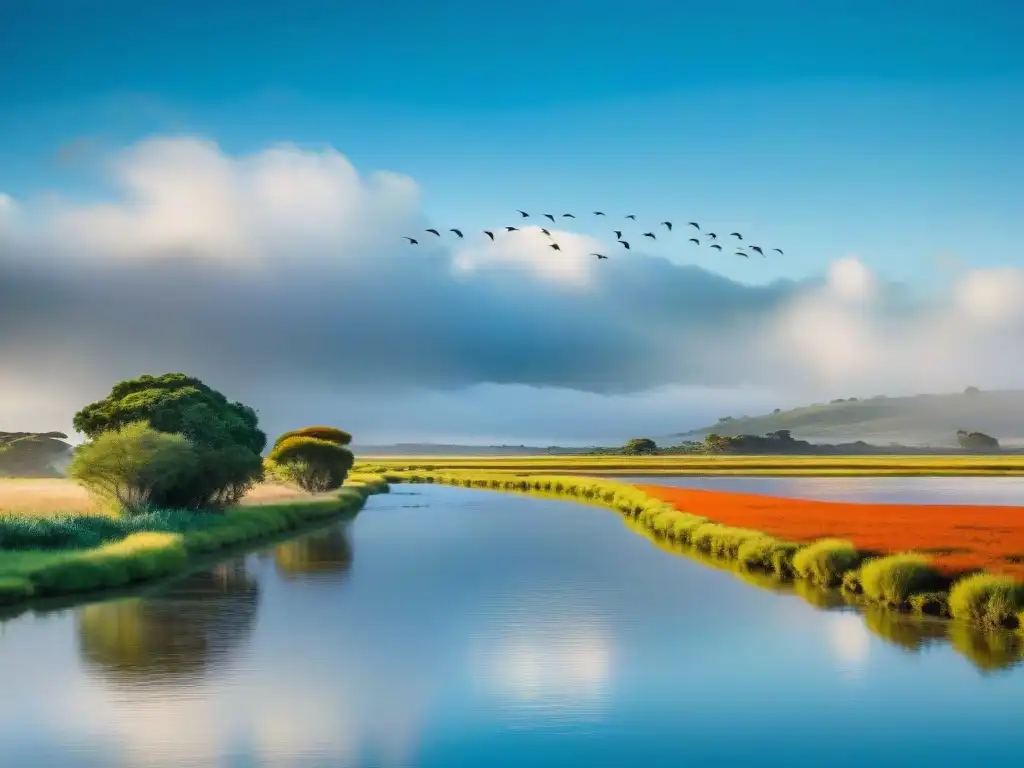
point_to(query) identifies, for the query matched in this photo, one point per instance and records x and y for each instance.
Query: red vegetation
(960, 538)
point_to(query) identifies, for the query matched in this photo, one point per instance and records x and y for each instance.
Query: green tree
(313, 464)
(976, 441)
(225, 435)
(640, 445)
(133, 466)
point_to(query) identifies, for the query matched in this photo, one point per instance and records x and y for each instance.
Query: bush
(313, 464)
(895, 578)
(224, 435)
(134, 466)
(330, 434)
(987, 599)
(825, 561)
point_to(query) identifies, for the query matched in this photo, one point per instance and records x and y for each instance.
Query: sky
(223, 187)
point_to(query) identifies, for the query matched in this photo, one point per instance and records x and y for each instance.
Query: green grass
(988, 600)
(825, 562)
(147, 554)
(68, 530)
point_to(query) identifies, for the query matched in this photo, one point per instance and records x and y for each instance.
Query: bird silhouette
(524, 214)
(779, 250)
(717, 246)
(712, 235)
(568, 216)
(650, 235)
(736, 234)
(411, 240)
(457, 232)
(550, 217)
(695, 225)
(624, 243)
(618, 234)
(434, 231)
(545, 231)
(694, 240)
(489, 233)
(599, 255)
(598, 213)
(740, 253)
(668, 224)
(757, 248)
(631, 216)
(555, 246)
(511, 229)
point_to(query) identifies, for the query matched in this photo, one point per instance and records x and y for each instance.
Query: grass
(27, 573)
(653, 466)
(907, 580)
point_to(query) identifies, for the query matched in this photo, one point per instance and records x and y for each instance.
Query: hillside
(913, 421)
(33, 454)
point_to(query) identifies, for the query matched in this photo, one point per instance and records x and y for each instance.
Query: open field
(819, 466)
(958, 538)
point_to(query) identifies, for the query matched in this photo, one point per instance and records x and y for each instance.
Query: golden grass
(825, 466)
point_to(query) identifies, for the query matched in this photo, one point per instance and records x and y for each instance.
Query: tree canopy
(640, 445)
(313, 464)
(330, 434)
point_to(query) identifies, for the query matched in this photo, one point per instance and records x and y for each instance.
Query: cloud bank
(282, 279)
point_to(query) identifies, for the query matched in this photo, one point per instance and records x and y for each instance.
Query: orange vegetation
(960, 538)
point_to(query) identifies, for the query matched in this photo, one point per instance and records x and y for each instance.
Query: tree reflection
(174, 635)
(325, 555)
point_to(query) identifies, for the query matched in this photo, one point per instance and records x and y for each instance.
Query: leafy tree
(225, 435)
(133, 466)
(640, 445)
(777, 410)
(971, 391)
(313, 464)
(976, 441)
(330, 434)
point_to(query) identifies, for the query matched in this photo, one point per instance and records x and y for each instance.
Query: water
(454, 627)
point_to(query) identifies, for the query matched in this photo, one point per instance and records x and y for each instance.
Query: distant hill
(914, 421)
(33, 454)
(440, 449)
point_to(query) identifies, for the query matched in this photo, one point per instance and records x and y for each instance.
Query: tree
(640, 445)
(777, 410)
(133, 466)
(330, 434)
(976, 441)
(312, 464)
(225, 435)
(971, 391)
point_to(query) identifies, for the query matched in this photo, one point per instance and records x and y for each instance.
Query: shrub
(225, 435)
(825, 561)
(311, 463)
(330, 434)
(767, 553)
(987, 599)
(133, 466)
(894, 578)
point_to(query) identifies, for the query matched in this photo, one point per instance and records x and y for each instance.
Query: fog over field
(281, 278)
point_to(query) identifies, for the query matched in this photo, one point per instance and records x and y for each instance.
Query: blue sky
(827, 128)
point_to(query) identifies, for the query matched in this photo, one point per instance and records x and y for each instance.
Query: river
(454, 627)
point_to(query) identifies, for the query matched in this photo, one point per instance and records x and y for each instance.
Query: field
(958, 538)
(653, 466)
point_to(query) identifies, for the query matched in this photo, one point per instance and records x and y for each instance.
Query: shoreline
(73, 576)
(902, 582)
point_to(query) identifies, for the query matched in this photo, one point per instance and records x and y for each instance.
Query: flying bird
(550, 217)
(623, 242)
(545, 231)
(668, 224)
(695, 225)
(717, 246)
(779, 250)
(618, 234)
(555, 246)
(524, 214)
(412, 241)
(740, 253)
(457, 232)
(434, 231)
(511, 229)
(712, 235)
(757, 248)
(631, 216)
(694, 240)
(598, 213)
(568, 216)
(489, 234)
(650, 235)
(599, 255)
(736, 234)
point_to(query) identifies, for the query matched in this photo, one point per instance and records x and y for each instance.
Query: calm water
(453, 627)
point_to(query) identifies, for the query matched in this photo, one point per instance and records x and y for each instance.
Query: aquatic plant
(826, 561)
(895, 578)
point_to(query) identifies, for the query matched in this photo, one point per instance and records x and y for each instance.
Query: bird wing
(695, 240)
(524, 213)
(489, 234)
(568, 216)
(598, 213)
(779, 250)
(695, 224)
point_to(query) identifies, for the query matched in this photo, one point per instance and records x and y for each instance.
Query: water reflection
(324, 556)
(174, 635)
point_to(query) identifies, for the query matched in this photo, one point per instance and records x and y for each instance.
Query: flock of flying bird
(711, 236)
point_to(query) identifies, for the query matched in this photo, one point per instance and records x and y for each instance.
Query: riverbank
(146, 555)
(996, 465)
(901, 576)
